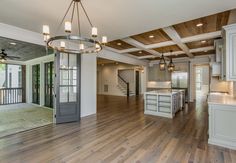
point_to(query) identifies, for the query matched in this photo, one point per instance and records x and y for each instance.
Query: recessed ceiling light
(117, 63)
(205, 51)
(151, 36)
(199, 24)
(12, 43)
(119, 44)
(140, 52)
(203, 41)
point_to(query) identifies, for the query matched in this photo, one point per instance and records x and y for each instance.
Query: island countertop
(164, 92)
(221, 99)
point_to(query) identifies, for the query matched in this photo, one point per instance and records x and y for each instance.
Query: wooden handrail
(127, 85)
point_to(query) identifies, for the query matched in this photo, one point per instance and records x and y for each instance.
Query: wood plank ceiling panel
(119, 45)
(167, 49)
(200, 44)
(204, 53)
(140, 53)
(210, 23)
(178, 56)
(152, 37)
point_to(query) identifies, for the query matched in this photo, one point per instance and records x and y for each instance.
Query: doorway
(49, 76)
(202, 82)
(137, 83)
(36, 84)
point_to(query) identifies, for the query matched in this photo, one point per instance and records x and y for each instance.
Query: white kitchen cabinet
(229, 54)
(219, 49)
(216, 69)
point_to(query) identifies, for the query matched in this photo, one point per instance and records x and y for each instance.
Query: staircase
(124, 87)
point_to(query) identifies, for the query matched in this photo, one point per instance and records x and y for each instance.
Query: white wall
(109, 76)
(88, 84)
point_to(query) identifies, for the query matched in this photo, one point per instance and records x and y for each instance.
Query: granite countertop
(221, 99)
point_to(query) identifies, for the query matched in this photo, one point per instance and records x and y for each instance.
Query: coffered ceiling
(187, 39)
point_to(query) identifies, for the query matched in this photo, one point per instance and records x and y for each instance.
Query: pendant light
(162, 63)
(171, 66)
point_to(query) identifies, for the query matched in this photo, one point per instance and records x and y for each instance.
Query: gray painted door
(67, 87)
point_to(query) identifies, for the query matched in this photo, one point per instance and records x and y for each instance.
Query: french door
(36, 84)
(67, 87)
(49, 79)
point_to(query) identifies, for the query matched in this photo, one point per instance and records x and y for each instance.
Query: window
(10, 76)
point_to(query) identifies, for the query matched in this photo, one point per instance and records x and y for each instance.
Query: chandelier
(162, 63)
(74, 43)
(171, 66)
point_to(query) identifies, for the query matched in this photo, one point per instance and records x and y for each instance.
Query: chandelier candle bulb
(68, 27)
(46, 30)
(94, 32)
(46, 37)
(97, 46)
(81, 46)
(63, 44)
(104, 39)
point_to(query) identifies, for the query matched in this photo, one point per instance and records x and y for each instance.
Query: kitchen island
(164, 103)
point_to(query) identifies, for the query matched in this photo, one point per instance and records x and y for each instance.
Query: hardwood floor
(120, 132)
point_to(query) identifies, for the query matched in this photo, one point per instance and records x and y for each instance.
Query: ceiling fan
(4, 56)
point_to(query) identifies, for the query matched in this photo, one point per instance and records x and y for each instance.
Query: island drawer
(148, 101)
(164, 98)
(164, 109)
(151, 97)
(151, 107)
(165, 104)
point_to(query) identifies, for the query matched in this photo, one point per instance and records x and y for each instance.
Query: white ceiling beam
(118, 51)
(200, 37)
(140, 46)
(182, 52)
(172, 33)
(202, 49)
(159, 45)
(129, 50)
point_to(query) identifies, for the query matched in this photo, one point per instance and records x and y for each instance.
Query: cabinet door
(230, 51)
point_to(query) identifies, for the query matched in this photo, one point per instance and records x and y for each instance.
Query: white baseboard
(222, 143)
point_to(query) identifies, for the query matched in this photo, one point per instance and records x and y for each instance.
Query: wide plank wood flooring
(120, 132)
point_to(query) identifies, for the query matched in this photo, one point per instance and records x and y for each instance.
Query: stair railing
(126, 83)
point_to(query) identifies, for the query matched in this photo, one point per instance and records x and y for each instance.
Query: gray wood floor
(120, 132)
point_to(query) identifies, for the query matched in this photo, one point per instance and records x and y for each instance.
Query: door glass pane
(73, 77)
(2, 75)
(64, 77)
(72, 94)
(64, 94)
(64, 61)
(72, 61)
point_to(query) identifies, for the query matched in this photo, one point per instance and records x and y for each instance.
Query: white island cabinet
(162, 103)
(222, 120)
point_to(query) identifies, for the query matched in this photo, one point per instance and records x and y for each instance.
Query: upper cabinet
(229, 53)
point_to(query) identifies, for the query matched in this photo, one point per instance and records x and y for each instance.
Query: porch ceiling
(24, 50)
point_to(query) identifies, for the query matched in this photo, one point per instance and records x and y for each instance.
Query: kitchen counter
(221, 99)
